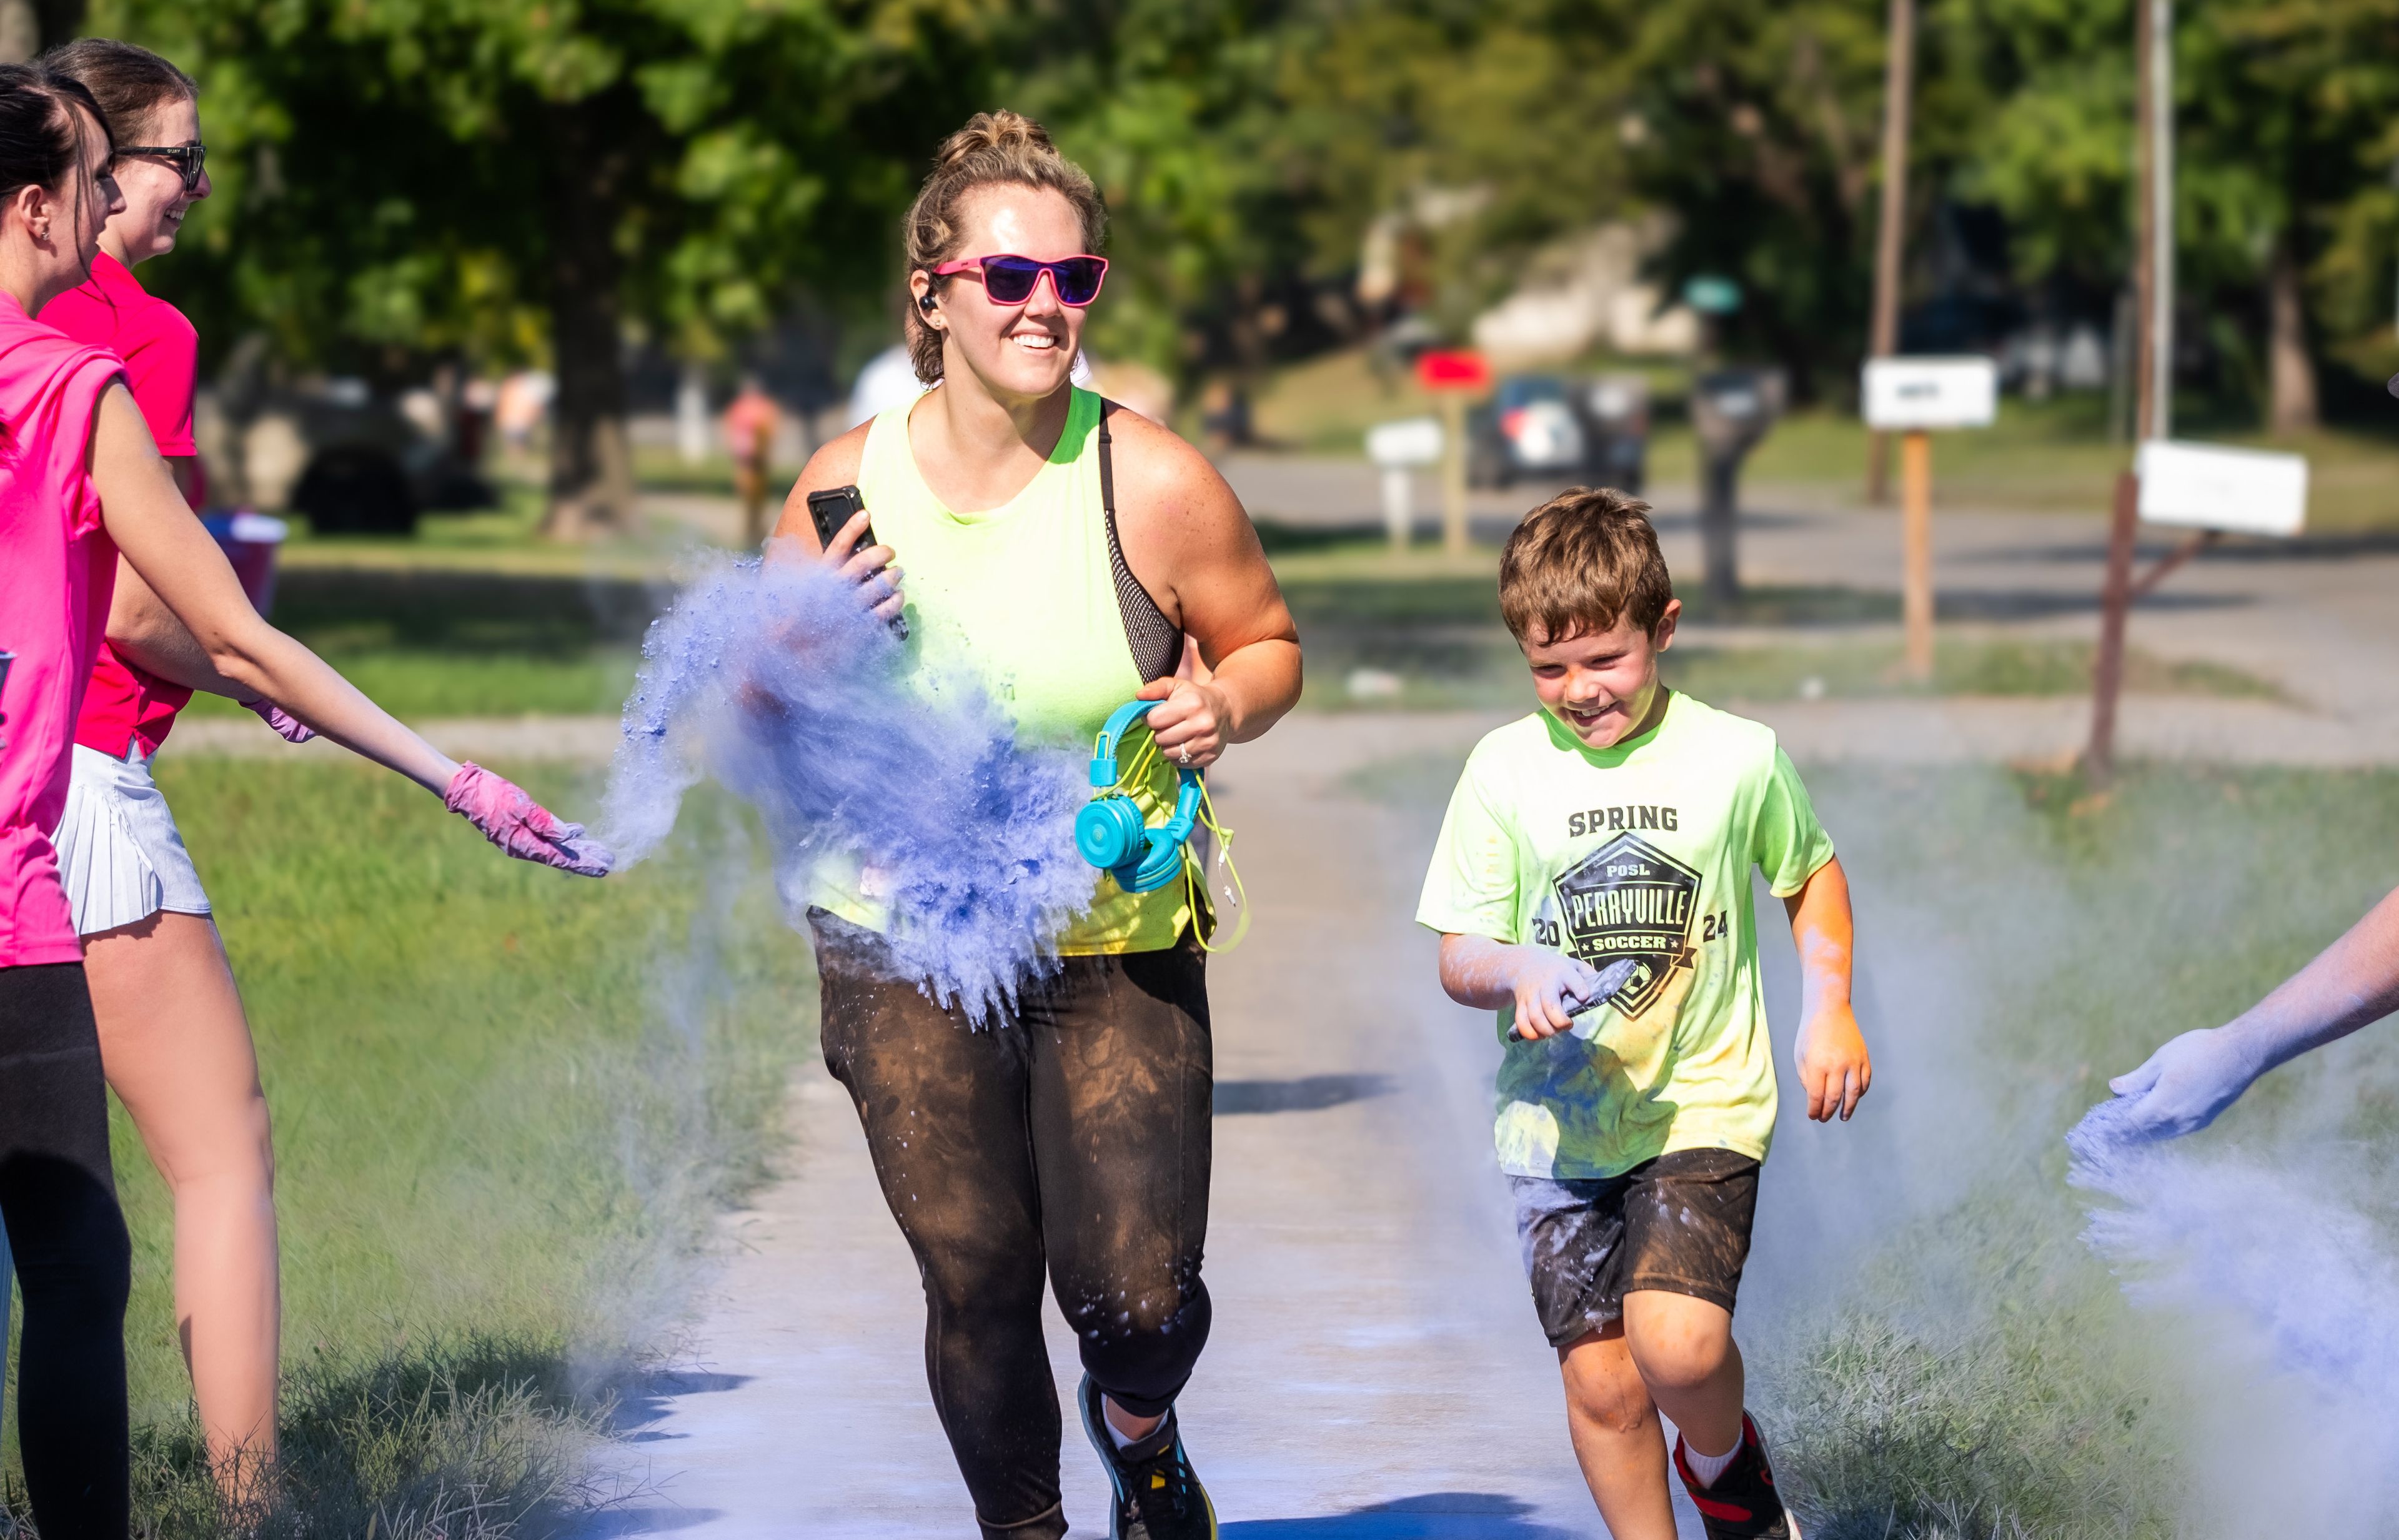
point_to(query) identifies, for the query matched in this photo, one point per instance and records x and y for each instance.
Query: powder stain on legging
(774, 682)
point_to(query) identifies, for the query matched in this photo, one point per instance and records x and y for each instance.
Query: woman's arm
(1834, 1068)
(2186, 1084)
(181, 563)
(1190, 543)
(144, 631)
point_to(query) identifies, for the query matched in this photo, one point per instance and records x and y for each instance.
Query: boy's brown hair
(1581, 562)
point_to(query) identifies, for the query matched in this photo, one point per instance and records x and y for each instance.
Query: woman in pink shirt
(173, 1038)
(77, 464)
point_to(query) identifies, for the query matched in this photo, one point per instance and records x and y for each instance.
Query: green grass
(506, 1103)
(1945, 1359)
(428, 642)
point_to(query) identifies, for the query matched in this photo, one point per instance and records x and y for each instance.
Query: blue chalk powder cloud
(774, 681)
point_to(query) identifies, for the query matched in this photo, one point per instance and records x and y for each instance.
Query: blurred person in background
(174, 1042)
(749, 424)
(1059, 551)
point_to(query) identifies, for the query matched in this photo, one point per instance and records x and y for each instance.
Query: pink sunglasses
(1011, 280)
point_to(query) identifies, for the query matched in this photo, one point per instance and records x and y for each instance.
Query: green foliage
(397, 178)
(404, 177)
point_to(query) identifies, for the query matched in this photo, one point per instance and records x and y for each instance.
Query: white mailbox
(1906, 394)
(2207, 487)
(1410, 441)
(1399, 449)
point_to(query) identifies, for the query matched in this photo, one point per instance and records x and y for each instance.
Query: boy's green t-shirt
(1641, 851)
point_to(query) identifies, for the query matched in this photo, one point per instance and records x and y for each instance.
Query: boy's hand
(1550, 987)
(1833, 1062)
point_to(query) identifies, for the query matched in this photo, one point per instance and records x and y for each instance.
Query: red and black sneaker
(1741, 1503)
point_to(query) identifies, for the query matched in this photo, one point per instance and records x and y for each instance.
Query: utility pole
(2153, 410)
(1891, 233)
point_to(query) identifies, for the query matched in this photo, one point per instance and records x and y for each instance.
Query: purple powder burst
(774, 681)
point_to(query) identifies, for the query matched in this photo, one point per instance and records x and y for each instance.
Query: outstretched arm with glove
(183, 566)
(2184, 1085)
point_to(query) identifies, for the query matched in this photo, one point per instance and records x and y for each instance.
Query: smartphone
(830, 511)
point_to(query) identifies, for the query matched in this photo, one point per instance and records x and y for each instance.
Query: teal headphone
(1109, 831)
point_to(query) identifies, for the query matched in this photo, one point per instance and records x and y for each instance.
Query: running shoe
(1157, 1499)
(1741, 1502)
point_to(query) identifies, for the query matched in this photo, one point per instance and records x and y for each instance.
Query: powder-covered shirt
(53, 609)
(126, 705)
(1641, 851)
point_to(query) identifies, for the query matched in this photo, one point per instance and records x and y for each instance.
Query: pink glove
(523, 826)
(290, 727)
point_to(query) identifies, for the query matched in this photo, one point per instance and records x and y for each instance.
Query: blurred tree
(511, 178)
(1171, 106)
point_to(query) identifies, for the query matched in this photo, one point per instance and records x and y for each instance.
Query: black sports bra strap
(1156, 642)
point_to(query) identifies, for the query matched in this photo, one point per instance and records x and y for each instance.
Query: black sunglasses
(190, 160)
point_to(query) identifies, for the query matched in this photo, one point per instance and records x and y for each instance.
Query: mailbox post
(2208, 491)
(1914, 396)
(1453, 375)
(1732, 410)
(1398, 449)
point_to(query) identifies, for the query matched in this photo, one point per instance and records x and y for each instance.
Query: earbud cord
(1198, 880)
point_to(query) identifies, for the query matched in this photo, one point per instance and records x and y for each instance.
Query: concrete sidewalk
(1376, 1371)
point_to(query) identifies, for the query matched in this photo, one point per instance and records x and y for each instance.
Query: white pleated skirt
(119, 853)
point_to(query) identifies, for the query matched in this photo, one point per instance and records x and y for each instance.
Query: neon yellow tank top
(1023, 598)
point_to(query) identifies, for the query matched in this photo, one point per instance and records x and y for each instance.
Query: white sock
(1117, 1436)
(1705, 1468)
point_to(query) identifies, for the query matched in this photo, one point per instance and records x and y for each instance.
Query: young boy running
(1592, 885)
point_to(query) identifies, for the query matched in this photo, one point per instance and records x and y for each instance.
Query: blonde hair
(1580, 563)
(993, 148)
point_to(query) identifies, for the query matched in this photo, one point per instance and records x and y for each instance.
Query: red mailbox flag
(1452, 369)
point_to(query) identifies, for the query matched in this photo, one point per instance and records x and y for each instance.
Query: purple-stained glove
(523, 826)
(290, 728)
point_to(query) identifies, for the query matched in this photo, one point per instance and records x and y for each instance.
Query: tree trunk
(2290, 371)
(591, 461)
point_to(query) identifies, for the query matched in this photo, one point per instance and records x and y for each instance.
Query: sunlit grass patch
(507, 1105)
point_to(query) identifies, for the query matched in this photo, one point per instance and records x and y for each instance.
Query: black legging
(1075, 1131)
(73, 1261)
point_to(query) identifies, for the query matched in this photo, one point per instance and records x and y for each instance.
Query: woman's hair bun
(1001, 130)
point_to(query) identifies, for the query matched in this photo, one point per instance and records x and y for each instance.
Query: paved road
(1376, 1371)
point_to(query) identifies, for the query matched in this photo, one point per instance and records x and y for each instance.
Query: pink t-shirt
(53, 612)
(126, 703)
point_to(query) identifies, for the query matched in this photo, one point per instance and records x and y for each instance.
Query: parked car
(1528, 428)
(353, 462)
(1545, 428)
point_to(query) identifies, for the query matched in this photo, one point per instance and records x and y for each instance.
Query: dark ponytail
(129, 83)
(40, 134)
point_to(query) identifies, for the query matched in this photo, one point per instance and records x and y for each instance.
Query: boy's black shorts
(1679, 1223)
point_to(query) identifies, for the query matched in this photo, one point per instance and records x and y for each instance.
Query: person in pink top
(77, 463)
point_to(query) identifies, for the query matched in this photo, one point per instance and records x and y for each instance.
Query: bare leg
(177, 1051)
(1616, 1439)
(1684, 1349)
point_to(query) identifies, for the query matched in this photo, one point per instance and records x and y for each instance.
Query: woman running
(1060, 550)
(81, 480)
